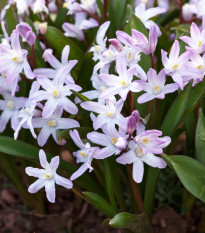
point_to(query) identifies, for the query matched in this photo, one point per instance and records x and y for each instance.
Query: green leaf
(175, 112)
(57, 41)
(64, 134)
(135, 223)
(11, 19)
(199, 138)
(190, 172)
(80, 96)
(100, 203)
(195, 96)
(119, 7)
(135, 23)
(109, 184)
(27, 151)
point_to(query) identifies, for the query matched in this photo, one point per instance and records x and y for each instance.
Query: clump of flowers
(102, 87)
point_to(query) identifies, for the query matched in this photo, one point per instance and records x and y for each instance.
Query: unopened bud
(25, 31)
(43, 28)
(121, 143)
(133, 122)
(117, 44)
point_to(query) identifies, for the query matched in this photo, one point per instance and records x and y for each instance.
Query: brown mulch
(72, 215)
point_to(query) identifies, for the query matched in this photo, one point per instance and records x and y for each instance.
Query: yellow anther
(15, 59)
(82, 154)
(108, 114)
(4, 75)
(47, 175)
(123, 83)
(55, 93)
(199, 67)
(140, 151)
(175, 66)
(64, 5)
(97, 48)
(101, 89)
(129, 55)
(144, 140)
(51, 123)
(156, 88)
(200, 43)
(10, 104)
(114, 140)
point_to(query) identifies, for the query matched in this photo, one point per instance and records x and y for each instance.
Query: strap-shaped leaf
(100, 203)
(190, 172)
(11, 19)
(21, 149)
(199, 138)
(175, 112)
(57, 41)
(135, 223)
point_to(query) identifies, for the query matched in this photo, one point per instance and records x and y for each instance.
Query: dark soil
(72, 215)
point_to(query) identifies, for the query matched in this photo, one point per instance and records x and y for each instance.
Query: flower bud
(132, 122)
(117, 44)
(43, 28)
(121, 143)
(187, 12)
(25, 31)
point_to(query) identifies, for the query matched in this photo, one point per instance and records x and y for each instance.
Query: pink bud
(133, 122)
(117, 44)
(30, 38)
(25, 31)
(43, 28)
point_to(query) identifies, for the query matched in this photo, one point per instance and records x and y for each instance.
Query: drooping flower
(10, 106)
(47, 177)
(155, 86)
(145, 14)
(137, 157)
(100, 47)
(26, 114)
(147, 47)
(84, 155)
(40, 6)
(81, 23)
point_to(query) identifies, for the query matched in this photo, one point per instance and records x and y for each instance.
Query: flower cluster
(118, 80)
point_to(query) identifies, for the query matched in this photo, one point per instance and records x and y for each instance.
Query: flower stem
(135, 190)
(152, 60)
(105, 11)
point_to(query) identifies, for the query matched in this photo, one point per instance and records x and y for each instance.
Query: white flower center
(102, 88)
(97, 48)
(48, 176)
(52, 123)
(144, 140)
(174, 67)
(138, 152)
(157, 90)
(18, 59)
(10, 105)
